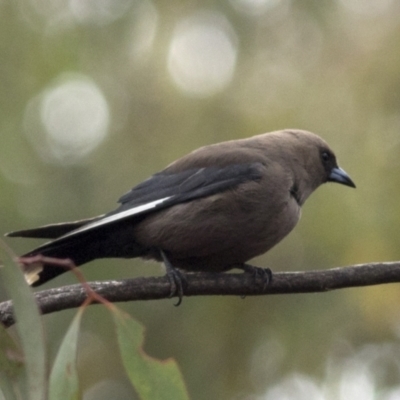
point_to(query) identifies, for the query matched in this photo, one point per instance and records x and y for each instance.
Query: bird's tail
(77, 251)
(80, 247)
(38, 273)
(52, 231)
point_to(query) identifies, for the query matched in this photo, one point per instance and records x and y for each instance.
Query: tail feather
(100, 242)
(80, 252)
(52, 231)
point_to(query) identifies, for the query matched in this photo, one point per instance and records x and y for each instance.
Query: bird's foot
(260, 274)
(176, 279)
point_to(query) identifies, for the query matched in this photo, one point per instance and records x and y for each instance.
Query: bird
(212, 210)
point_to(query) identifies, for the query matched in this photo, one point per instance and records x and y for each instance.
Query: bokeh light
(143, 30)
(360, 375)
(98, 11)
(75, 117)
(202, 54)
(259, 7)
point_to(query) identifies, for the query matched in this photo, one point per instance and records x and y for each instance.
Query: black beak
(338, 175)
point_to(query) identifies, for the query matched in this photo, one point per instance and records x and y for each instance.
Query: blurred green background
(95, 96)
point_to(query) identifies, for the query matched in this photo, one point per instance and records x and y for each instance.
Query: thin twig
(202, 284)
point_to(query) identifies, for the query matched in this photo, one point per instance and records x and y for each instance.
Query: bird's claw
(176, 279)
(263, 274)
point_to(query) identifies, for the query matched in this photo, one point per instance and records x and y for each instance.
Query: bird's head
(311, 161)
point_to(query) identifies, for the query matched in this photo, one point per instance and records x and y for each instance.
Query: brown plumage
(212, 210)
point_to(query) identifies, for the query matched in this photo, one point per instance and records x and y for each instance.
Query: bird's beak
(340, 176)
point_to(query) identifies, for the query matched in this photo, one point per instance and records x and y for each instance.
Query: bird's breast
(221, 230)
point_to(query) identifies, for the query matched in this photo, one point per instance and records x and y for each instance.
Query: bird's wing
(189, 184)
(164, 190)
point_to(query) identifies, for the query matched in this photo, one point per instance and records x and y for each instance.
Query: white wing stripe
(120, 215)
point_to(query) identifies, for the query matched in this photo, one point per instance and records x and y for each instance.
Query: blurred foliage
(23, 358)
(27, 378)
(96, 96)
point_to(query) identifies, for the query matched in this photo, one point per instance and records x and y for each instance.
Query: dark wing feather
(164, 190)
(188, 185)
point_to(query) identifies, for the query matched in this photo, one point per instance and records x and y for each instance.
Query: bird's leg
(265, 274)
(175, 277)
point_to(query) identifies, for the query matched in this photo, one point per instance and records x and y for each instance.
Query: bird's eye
(325, 156)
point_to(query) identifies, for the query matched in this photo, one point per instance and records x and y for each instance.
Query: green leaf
(11, 365)
(2, 395)
(11, 356)
(64, 382)
(7, 388)
(151, 378)
(29, 325)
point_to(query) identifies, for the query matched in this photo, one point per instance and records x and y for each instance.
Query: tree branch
(201, 284)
